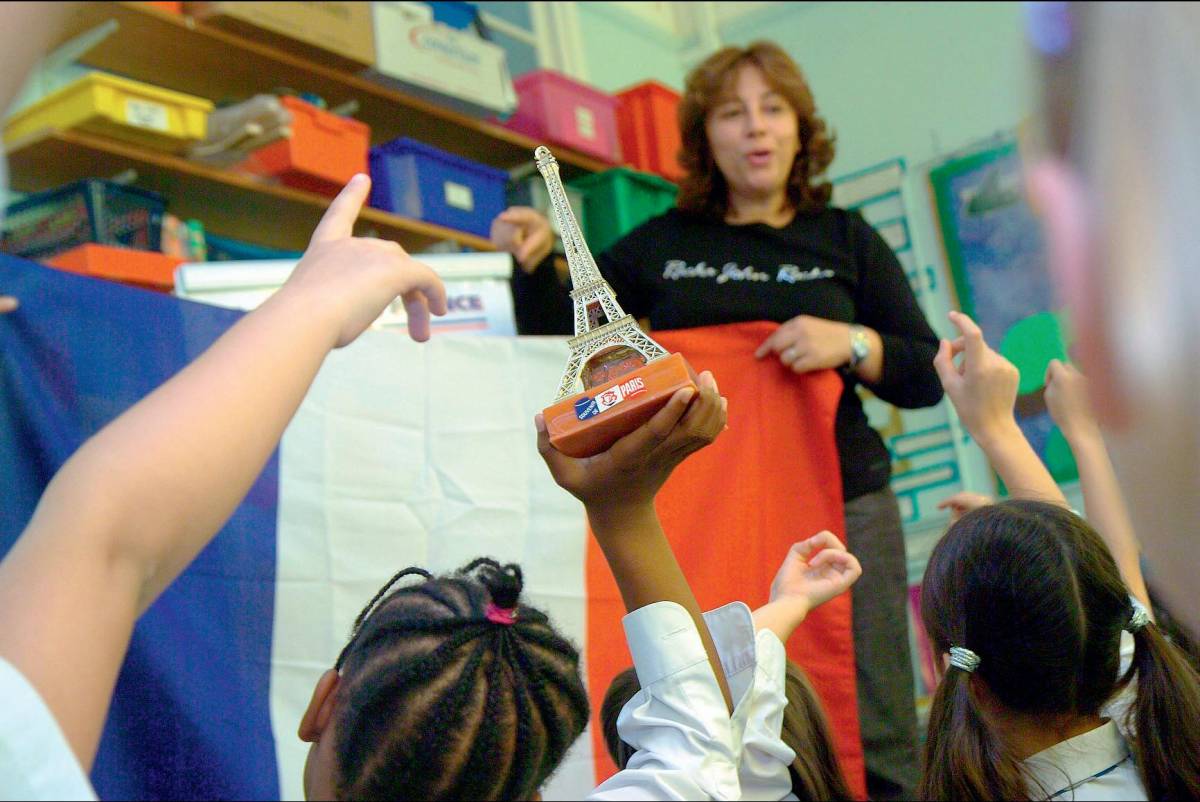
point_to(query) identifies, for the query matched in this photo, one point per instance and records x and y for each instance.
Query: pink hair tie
(500, 615)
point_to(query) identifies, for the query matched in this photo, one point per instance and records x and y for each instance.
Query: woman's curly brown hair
(703, 190)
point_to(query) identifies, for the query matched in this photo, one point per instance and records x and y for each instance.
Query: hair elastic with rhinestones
(964, 659)
(1138, 618)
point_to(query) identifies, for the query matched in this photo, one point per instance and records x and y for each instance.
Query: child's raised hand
(806, 581)
(963, 502)
(353, 279)
(983, 388)
(813, 579)
(636, 466)
(1067, 399)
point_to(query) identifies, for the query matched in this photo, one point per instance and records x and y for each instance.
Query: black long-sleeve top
(681, 271)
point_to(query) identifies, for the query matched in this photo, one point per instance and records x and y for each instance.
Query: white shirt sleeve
(765, 758)
(35, 760)
(677, 722)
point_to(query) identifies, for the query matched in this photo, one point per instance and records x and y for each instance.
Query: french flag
(401, 454)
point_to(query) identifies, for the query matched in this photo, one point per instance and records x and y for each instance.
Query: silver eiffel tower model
(600, 323)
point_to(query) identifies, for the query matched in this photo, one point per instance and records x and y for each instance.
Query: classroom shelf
(177, 52)
(230, 204)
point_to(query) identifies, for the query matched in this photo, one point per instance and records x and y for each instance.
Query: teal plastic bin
(618, 201)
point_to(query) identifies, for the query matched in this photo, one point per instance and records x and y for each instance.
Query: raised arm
(136, 503)
(983, 389)
(618, 486)
(813, 572)
(1067, 400)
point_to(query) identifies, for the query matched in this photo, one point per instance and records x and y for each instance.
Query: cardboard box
(450, 67)
(333, 33)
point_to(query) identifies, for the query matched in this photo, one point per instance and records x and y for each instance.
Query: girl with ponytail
(1032, 610)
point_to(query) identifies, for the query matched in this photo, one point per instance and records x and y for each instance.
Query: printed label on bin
(585, 122)
(590, 407)
(459, 196)
(145, 114)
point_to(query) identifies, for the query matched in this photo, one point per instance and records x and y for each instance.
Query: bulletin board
(925, 468)
(998, 267)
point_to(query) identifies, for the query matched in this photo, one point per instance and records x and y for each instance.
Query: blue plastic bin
(224, 249)
(455, 14)
(416, 180)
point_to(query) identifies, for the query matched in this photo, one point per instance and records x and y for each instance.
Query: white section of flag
(417, 454)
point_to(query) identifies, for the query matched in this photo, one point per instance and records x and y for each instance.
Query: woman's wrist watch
(860, 346)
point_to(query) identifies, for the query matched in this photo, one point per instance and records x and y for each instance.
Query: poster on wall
(925, 467)
(997, 262)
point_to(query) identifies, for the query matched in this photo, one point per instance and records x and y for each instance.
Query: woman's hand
(631, 472)
(525, 233)
(1067, 399)
(808, 343)
(8, 304)
(353, 279)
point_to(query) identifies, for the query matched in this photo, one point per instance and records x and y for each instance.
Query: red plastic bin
(648, 128)
(553, 108)
(322, 154)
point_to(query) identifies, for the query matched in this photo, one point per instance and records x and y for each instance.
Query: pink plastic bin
(558, 110)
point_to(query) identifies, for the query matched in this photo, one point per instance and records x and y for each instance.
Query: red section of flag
(733, 510)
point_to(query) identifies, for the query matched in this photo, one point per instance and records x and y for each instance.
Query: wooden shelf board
(177, 52)
(229, 204)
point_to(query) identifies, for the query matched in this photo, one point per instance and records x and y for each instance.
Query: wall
(624, 47)
(903, 79)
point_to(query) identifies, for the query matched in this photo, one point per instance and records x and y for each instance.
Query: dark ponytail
(963, 758)
(1165, 718)
(1032, 590)
(503, 582)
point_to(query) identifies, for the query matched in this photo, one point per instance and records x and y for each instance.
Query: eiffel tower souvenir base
(589, 422)
(626, 377)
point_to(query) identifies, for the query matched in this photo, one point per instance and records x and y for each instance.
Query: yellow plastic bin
(120, 108)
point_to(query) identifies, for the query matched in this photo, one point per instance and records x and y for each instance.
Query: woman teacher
(753, 237)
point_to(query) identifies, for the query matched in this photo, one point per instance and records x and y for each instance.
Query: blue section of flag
(586, 408)
(190, 718)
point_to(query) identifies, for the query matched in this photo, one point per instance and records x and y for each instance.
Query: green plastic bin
(618, 201)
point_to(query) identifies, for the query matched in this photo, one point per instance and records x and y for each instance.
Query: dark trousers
(886, 701)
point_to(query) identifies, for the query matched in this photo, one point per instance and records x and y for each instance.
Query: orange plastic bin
(648, 128)
(147, 269)
(322, 154)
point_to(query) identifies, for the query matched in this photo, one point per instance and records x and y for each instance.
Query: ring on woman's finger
(789, 355)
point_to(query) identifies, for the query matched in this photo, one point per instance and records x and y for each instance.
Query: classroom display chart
(997, 262)
(925, 465)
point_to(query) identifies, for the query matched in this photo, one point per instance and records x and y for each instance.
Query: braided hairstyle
(451, 689)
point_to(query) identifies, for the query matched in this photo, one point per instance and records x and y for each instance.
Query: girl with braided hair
(1033, 612)
(449, 688)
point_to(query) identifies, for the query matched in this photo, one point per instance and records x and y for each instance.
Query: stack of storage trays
(619, 200)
